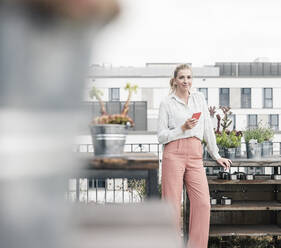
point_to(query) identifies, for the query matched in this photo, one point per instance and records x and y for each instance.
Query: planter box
(253, 150)
(267, 149)
(108, 139)
(229, 153)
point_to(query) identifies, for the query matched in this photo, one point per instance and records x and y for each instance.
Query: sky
(200, 32)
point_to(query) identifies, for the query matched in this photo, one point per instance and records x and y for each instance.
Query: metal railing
(123, 190)
(157, 148)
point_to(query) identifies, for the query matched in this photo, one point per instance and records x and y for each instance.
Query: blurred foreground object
(43, 65)
(145, 225)
(102, 11)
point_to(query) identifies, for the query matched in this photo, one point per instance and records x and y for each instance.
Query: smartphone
(196, 115)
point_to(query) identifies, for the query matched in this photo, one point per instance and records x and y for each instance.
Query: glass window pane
(114, 94)
(246, 98)
(140, 116)
(266, 68)
(247, 91)
(224, 96)
(268, 97)
(244, 69)
(233, 69)
(274, 119)
(227, 69)
(254, 68)
(274, 69)
(252, 121)
(113, 107)
(274, 122)
(257, 69)
(268, 92)
(268, 103)
(279, 68)
(224, 91)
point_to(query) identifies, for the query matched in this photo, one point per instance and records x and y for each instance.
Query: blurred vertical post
(44, 55)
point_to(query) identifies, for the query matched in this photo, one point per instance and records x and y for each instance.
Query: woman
(182, 157)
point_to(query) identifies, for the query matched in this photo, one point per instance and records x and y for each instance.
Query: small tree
(96, 93)
(212, 111)
(226, 121)
(105, 118)
(131, 89)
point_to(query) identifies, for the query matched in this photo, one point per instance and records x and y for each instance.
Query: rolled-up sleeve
(209, 134)
(165, 134)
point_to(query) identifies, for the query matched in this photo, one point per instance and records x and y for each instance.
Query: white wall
(213, 97)
(235, 98)
(158, 95)
(263, 120)
(241, 122)
(257, 98)
(277, 98)
(160, 89)
(135, 96)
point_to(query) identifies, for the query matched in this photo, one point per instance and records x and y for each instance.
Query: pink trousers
(182, 163)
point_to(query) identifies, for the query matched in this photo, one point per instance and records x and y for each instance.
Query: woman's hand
(190, 123)
(224, 162)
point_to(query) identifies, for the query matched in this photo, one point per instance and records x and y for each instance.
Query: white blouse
(173, 113)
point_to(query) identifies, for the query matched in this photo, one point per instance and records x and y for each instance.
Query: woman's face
(184, 80)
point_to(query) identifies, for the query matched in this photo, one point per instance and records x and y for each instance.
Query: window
(205, 92)
(267, 97)
(257, 69)
(244, 69)
(224, 97)
(274, 122)
(246, 98)
(252, 121)
(114, 94)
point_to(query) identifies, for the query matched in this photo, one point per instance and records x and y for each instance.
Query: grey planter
(253, 150)
(221, 151)
(229, 153)
(108, 139)
(267, 149)
(238, 152)
(205, 152)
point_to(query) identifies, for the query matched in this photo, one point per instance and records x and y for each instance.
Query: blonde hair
(176, 71)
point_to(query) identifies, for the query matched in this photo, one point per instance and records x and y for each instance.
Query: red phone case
(196, 115)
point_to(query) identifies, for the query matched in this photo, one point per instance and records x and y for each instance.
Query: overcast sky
(198, 31)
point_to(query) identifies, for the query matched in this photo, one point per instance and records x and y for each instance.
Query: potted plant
(109, 131)
(253, 138)
(267, 145)
(229, 142)
(204, 148)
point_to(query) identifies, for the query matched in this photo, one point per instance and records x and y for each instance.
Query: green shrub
(228, 139)
(260, 134)
(254, 133)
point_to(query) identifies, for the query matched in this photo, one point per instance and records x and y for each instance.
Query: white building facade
(252, 90)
